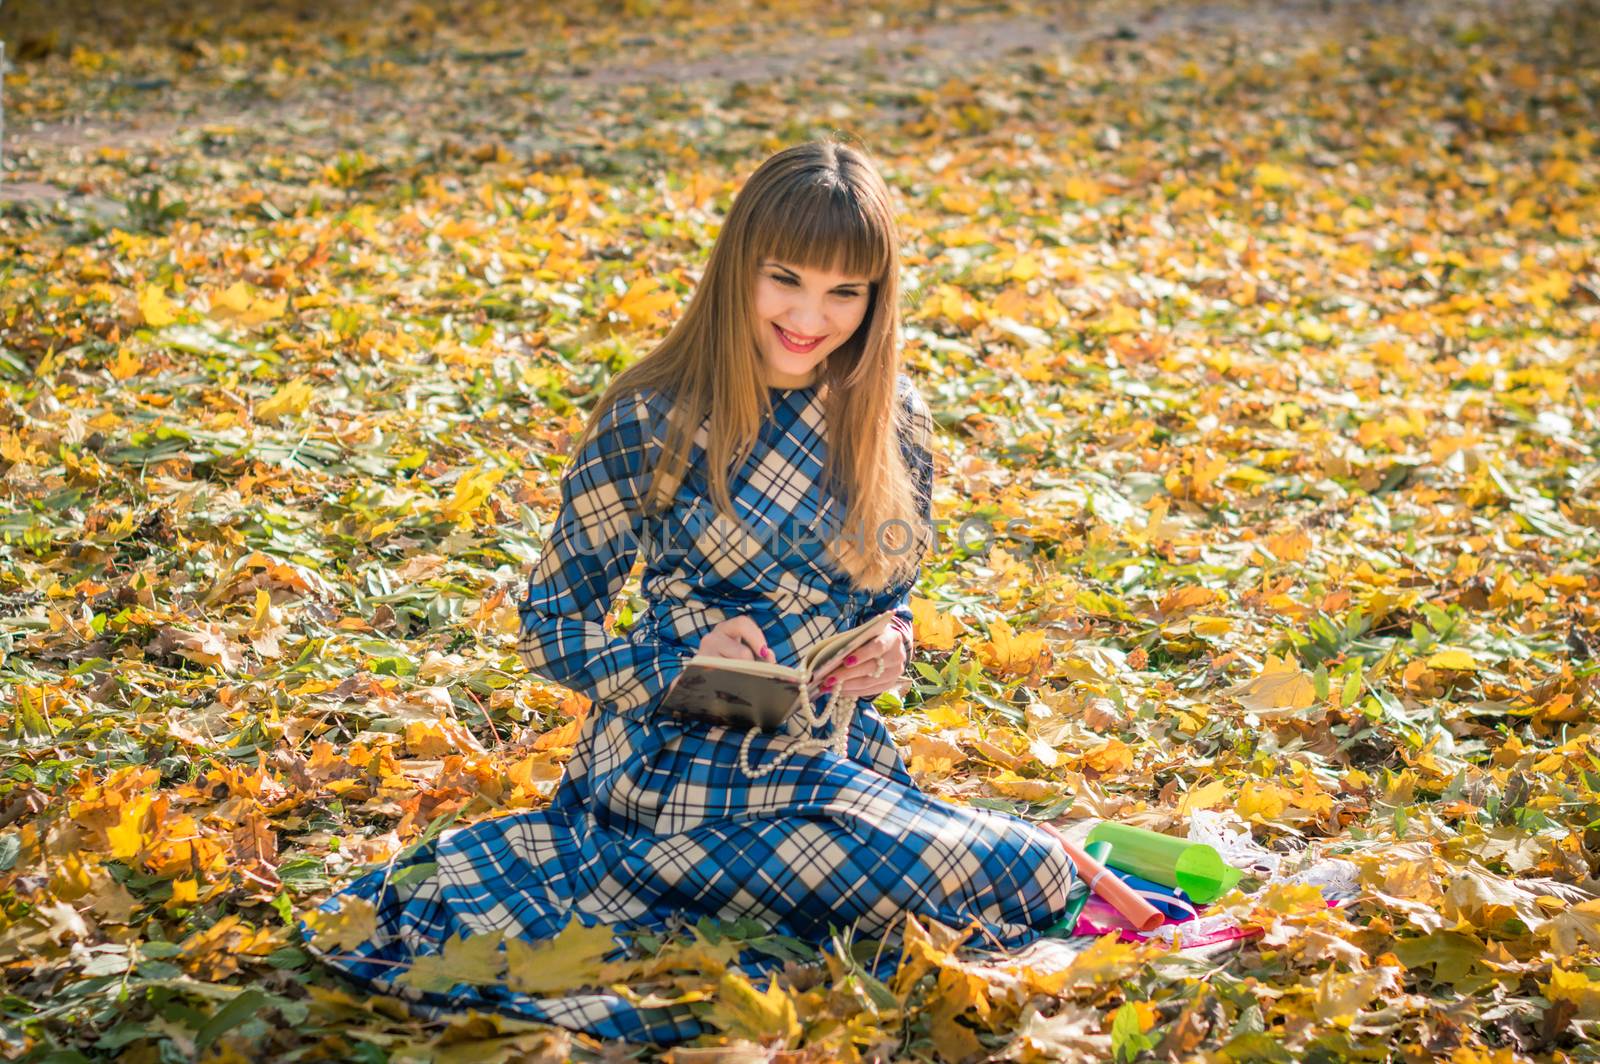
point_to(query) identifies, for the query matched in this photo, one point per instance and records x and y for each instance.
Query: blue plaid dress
(654, 820)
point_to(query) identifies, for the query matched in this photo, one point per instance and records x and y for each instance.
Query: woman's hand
(737, 637)
(854, 675)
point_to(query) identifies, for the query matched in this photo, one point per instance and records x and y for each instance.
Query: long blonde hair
(819, 205)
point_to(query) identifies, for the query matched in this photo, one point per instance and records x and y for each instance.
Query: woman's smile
(795, 343)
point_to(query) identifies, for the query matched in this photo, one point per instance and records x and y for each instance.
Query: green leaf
(230, 1016)
(1127, 1039)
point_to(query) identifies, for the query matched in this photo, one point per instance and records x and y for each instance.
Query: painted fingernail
(851, 660)
(766, 652)
(828, 682)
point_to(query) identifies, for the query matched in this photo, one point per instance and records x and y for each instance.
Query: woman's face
(802, 315)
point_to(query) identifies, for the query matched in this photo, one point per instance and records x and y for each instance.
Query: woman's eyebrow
(791, 273)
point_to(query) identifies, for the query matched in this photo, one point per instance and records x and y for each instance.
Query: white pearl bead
(838, 740)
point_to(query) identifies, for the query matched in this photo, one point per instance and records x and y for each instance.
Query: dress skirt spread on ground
(654, 821)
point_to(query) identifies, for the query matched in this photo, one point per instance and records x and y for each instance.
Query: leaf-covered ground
(1262, 339)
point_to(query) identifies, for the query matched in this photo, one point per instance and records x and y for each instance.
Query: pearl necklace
(808, 718)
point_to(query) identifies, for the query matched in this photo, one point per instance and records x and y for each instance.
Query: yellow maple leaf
(1106, 960)
(472, 490)
(292, 398)
(934, 748)
(126, 837)
(1208, 796)
(959, 201)
(1118, 318)
(743, 1011)
(700, 958)
(74, 876)
(1183, 600)
(1289, 546)
(155, 308)
(184, 892)
(1109, 757)
(1319, 332)
(1577, 988)
(1011, 785)
(950, 714)
(1480, 897)
(125, 365)
(345, 928)
(952, 1040)
(1282, 686)
(1290, 899)
(1340, 996)
(1271, 175)
(959, 989)
(934, 628)
(562, 735)
(1580, 923)
(1025, 268)
(1311, 798)
(214, 953)
(925, 946)
(474, 959)
(231, 301)
(237, 303)
(436, 738)
(1010, 652)
(644, 299)
(572, 958)
(1452, 658)
(1262, 801)
(1083, 189)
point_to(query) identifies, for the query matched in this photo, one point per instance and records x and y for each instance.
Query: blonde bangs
(822, 226)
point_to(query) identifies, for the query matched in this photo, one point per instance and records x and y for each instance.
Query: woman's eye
(792, 283)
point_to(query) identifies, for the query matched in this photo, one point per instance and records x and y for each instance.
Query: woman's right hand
(737, 637)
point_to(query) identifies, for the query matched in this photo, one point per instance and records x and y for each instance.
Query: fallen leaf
(469, 959)
(1282, 686)
(571, 959)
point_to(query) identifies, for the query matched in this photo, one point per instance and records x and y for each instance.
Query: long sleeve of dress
(916, 443)
(587, 556)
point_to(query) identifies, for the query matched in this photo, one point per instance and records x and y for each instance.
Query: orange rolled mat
(1118, 895)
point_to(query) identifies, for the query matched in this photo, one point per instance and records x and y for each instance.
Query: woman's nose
(809, 318)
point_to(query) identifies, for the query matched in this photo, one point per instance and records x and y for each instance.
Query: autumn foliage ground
(1262, 338)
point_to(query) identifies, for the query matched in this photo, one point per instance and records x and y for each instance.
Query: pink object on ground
(1099, 918)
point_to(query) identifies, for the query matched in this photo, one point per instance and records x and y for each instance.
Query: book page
(822, 658)
(749, 666)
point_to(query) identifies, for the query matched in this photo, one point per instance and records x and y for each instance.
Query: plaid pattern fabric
(654, 820)
(700, 566)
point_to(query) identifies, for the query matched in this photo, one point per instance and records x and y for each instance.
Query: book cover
(744, 692)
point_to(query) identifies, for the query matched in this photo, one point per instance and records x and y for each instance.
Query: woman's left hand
(854, 676)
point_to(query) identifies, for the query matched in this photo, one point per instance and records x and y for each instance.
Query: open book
(745, 692)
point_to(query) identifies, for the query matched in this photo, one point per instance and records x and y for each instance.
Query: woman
(784, 372)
